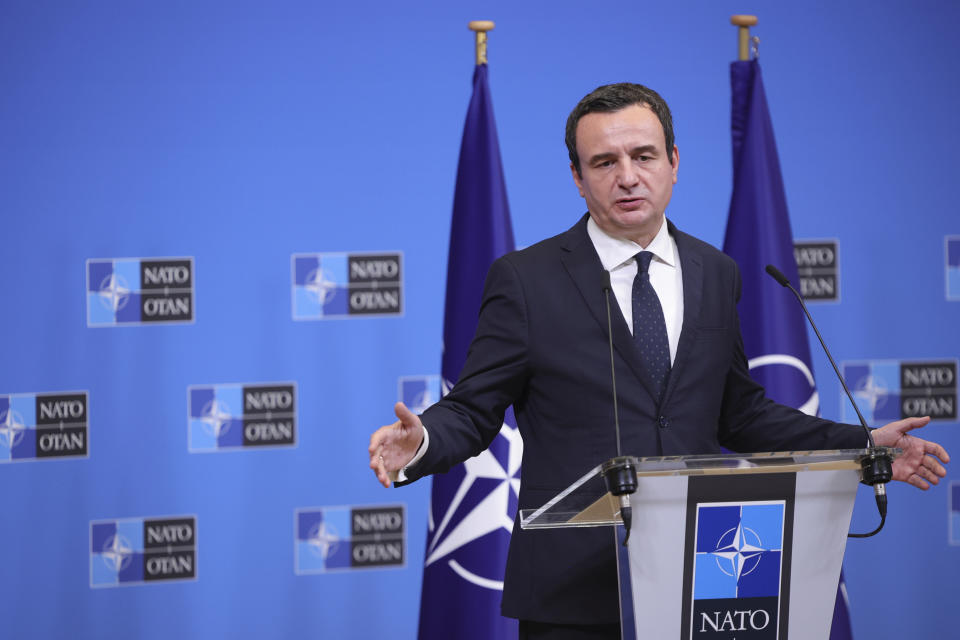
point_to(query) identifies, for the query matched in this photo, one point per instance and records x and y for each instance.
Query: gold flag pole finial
(744, 23)
(481, 27)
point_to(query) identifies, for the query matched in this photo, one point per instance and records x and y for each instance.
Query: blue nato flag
(473, 505)
(758, 234)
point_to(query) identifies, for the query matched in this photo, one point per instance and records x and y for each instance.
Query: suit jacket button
(664, 423)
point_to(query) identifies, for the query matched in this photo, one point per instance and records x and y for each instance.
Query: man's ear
(577, 180)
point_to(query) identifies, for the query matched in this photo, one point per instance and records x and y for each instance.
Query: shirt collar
(614, 252)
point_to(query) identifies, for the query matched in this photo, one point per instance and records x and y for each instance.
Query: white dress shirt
(617, 257)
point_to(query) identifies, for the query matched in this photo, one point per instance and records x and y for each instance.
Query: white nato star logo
(811, 405)
(323, 540)
(321, 285)
(490, 514)
(872, 391)
(11, 428)
(216, 418)
(738, 551)
(117, 553)
(114, 292)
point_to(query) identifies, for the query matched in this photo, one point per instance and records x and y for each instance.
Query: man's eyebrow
(649, 149)
(645, 148)
(607, 155)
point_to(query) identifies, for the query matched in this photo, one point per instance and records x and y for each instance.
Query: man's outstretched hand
(921, 463)
(393, 446)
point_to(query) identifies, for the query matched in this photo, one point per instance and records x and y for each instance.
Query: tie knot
(643, 261)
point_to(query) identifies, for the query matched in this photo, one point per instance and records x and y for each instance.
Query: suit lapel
(583, 265)
(692, 266)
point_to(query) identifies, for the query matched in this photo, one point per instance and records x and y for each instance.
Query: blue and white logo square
(235, 416)
(35, 426)
(875, 386)
(953, 267)
(737, 568)
(888, 390)
(954, 512)
(340, 285)
(329, 539)
(132, 291)
(131, 551)
(418, 392)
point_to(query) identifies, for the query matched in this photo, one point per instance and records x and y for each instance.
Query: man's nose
(627, 175)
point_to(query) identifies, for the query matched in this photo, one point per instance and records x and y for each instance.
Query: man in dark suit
(541, 346)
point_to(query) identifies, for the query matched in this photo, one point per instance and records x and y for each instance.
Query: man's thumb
(407, 417)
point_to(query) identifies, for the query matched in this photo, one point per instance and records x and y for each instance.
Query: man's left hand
(921, 463)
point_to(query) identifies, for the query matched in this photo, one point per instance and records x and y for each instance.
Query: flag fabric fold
(473, 505)
(758, 233)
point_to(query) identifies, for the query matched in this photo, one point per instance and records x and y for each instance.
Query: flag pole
(743, 23)
(480, 27)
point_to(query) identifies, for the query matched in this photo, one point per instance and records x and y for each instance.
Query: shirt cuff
(401, 475)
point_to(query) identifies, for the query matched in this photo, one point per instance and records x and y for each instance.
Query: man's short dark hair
(614, 97)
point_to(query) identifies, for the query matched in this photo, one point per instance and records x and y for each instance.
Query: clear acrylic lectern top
(586, 503)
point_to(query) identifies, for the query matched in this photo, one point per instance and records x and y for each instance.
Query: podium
(723, 546)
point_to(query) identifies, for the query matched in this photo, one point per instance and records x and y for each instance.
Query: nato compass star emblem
(738, 551)
(321, 285)
(872, 391)
(114, 292)
(216, 418)
(500, 464)
(323, 539)
(11, 428)
(117, 552)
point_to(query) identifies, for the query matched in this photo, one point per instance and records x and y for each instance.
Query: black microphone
(877, 465)
(618, 473)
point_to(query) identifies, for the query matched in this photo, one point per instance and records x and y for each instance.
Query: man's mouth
(629, 203)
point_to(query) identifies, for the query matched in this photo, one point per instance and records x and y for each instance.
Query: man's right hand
(393, 446)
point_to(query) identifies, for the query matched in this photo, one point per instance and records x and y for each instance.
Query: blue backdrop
(246, 136)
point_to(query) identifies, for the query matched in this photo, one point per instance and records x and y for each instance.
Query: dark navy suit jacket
(541, 345)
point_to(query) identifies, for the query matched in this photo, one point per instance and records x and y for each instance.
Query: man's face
(627, 174)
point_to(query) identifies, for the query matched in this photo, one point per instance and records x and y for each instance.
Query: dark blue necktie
(649, 328)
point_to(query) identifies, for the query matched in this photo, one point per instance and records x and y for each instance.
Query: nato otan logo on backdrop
(131, 551)
(41, 426)
(953, 267)
(330, 539)
(737, 569)
(235, 416)
(133, 291)
(418, 392)
(818, 267)
(342, 285)
(954, 512)
(889, 390)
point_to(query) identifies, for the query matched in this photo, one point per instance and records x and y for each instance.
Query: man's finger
(935, 449)
(918, 482)
(909, 424)
(376, 440)
(407, 417)
(928, 475)
(934, 466)
(382, 475)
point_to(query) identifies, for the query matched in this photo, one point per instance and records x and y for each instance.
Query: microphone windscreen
(777, 275)
(606, 280)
